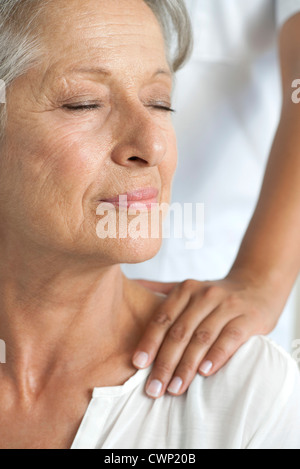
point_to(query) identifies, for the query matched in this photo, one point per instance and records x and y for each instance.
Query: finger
(158, 287)
(176, 342)
(173, 306)
(202, 339)
(159, 325)
(232, 337)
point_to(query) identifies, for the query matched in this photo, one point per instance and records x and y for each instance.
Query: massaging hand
(199, 327)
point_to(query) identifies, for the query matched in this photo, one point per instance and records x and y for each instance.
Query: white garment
(228, 100)
(252, 403)
(286, 9)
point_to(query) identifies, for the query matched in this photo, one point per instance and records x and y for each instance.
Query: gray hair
(19, 41)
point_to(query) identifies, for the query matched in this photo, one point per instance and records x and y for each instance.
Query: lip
(139, 199)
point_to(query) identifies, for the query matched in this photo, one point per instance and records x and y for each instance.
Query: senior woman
(87, 118)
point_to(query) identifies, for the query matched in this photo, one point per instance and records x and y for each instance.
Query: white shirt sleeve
(285, 9)
(260, 403)
(280, 428)
(273, 406)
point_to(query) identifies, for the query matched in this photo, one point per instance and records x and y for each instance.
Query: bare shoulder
(144, 302)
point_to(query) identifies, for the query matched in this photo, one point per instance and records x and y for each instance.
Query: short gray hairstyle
(19, 41)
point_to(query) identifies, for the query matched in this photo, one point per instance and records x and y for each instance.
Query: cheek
(170, 162)
(68, 152)
(73, 165)
(168, 167)
(54, 171)
(68, 162)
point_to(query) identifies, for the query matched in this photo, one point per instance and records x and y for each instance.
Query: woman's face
(88, 124)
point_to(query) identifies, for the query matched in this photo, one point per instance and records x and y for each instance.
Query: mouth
(141, 199)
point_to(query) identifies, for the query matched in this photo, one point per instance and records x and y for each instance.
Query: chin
(136, 240)
(130, 251)
(142, 250)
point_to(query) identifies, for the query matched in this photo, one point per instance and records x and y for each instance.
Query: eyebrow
(108, 73)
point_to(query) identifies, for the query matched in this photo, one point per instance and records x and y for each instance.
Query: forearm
(270, 250)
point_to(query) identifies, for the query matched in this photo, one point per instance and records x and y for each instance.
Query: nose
(140, 141)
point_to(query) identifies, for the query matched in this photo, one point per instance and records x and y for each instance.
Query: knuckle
(234, 333)
(188, 284)
(187, 368)
(220, 353)
(162, 368)
(233, 301)
(178, 333)
(162, 318)
(213, 291)
(202, 337)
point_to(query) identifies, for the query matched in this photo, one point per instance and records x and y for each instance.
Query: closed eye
(163, 108)
(82, 107)
(91, 107)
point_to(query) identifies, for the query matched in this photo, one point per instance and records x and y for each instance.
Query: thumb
(159, 287)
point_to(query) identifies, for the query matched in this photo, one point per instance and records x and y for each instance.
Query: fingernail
(206, 367)
(154, 388)
(140, 359)
(175, 385)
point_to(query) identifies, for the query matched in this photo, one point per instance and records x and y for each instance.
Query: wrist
(256, 275)
(272, 282)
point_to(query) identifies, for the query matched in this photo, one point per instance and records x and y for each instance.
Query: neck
(61, 315)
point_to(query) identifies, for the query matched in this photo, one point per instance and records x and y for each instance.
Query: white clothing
(228, 100)
(286, 9)
(252, 403)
